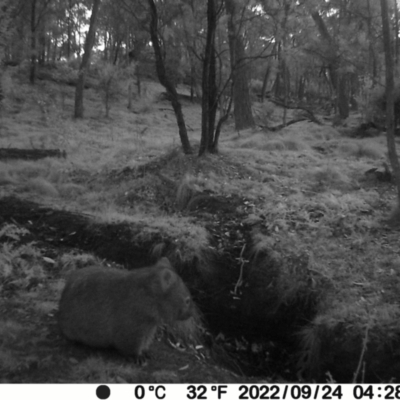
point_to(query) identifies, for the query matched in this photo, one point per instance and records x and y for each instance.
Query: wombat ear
(168, 278)
(164, 263)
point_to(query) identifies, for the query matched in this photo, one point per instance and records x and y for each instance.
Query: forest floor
(300, 192)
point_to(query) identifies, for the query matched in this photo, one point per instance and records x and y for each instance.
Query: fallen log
(281, 126)
(307, 112)
(30, 154)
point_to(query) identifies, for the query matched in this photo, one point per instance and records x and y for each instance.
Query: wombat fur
(104, 307)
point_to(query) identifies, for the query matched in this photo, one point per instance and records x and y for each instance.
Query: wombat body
(104, 307)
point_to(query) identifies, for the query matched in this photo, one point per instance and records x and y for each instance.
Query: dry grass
(41, 186)
(96, 369)
(372, 150)
(266, 142)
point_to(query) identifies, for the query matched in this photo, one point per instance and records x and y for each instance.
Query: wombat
(104, 307)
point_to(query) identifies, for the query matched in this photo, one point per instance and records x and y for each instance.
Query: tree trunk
(32, 70)
(283, 64)
(69, 29)
(301, 88)
(265, 83)
(85, 61)
(118, 48)
(397, 39)
(42, 43)
(6, 20)
(286, 77)
(372, 53)
(343, 97)
(394, 160)
(165, 81)
(209, 101)
(241, 94)
(138, 79)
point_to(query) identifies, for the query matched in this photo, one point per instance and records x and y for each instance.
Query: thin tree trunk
(209, 101)
(270, 70)
(372, 54)
(85, 61)
(32, 70)
(42, 43)
(394, 160)
(69, 29)
(284, 66)
(5, 24)
(265, 83)
(397, 39)
(241, 94)
(117, 52)
(6, 21)
(343, 97)
(285, 76)
(165, 81)
(302, 88)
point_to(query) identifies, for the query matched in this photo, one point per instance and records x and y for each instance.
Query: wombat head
(176, 302)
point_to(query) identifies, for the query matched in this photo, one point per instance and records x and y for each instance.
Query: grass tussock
(20, 266)
(41, 186)
(191, 238)
(344, 327)
(270, 145)
(372, 151)
(261, 141)
(9, 361)
(329, 177)
(294, 144)
(68, 262)
(10, 332)
(48, 178)
(185, 192)
(394, 217)
(6, 177)
(95, 369)
(71, 190)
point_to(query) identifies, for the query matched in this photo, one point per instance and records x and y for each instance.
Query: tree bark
(372, 53)
(301, 88)
(69, 28)
(85, 60)
(283, 64)
(32, 69)
(42, 42)
(343, 96)
(165, 81)
(394, 160)
(265, 83)
(397, 39)
(7, 7)
(240, 81)
(209, 101)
